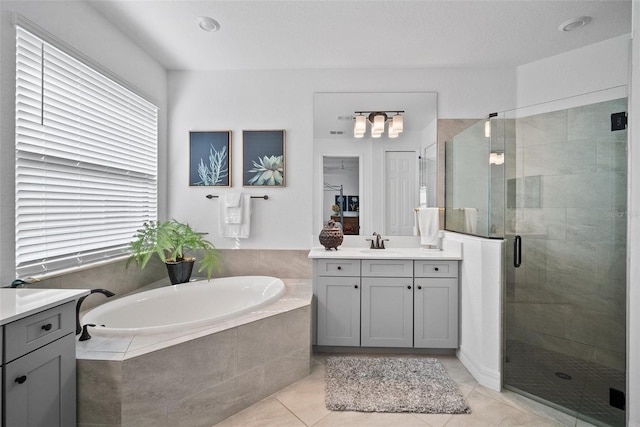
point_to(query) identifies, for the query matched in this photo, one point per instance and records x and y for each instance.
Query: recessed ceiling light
(574, 24)
(208, 24)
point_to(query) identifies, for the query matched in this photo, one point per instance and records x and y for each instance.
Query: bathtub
(184, 306)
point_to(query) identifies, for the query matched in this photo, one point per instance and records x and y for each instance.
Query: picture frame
(210, 158)
(263, 158)
(341, 201)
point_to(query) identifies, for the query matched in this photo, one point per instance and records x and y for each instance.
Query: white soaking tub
(184, 306)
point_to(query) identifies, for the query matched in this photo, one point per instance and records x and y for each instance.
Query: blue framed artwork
(353, 203)
(342, 202)
(263, 158)
(210, 158)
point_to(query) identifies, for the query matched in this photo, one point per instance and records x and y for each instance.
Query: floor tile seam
(275, 397)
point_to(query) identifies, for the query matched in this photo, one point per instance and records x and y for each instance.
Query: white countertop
(22, 302)
(452, 251)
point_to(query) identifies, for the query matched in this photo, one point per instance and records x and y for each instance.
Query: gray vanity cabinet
(40, 369)
(338, 304)
(387, 303)
(436, 304)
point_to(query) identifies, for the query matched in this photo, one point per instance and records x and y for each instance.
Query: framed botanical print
(210, 158)
(263, 158)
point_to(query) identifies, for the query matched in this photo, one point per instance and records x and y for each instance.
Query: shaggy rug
(391, 384)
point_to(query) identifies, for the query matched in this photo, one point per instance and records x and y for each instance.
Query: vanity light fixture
(496, 158)
(208, 24)
(487, 125)
(377, 119)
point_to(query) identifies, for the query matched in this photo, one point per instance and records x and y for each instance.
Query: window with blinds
(86, 161)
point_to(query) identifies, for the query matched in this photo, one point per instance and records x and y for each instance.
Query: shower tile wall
(571, 200)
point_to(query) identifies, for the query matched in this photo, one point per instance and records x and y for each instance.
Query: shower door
(565, 288)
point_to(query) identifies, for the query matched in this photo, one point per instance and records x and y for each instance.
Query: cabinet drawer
(339, 267)
(37, 330)
(387, 268)
(436, 268)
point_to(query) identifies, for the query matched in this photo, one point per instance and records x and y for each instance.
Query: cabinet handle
(409, 287)
(419, 287)
(436, 269)
(339, 268)
(47, 327)
(21, 379)
(355, 286)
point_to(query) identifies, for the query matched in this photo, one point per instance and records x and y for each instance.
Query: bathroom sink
(380, 252)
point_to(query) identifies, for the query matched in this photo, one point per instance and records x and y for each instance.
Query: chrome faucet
(81, 299)
(378, 243)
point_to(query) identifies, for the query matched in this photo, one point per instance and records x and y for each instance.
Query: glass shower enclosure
(555, 181)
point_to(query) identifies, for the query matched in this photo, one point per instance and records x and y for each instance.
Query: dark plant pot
(180, 272)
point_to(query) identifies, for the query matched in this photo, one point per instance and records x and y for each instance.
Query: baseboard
(489, 378)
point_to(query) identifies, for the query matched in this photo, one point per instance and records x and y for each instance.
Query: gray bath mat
(391, 384)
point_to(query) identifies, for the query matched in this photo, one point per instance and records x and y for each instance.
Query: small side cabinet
(436, 304)
(338, 293)
(39, 381)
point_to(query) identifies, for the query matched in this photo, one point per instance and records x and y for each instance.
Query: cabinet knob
(339, 268)
(409, 287)
(47, 327)
(419, 287)
(355, 286)
(436, 269)
(21, 379)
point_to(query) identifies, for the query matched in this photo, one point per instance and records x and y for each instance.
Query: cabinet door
(387, 312)
(40, 387)
(436, 313)
(339, 311)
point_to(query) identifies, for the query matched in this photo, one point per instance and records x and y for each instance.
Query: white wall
(480, 308)
(581, 71)
(237, 100)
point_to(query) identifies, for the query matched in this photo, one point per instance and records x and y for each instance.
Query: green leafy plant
(269, 170)
(171, 240)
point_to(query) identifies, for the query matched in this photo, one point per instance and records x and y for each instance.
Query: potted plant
(170, 240)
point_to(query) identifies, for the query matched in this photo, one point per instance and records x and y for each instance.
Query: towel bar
(211, 196)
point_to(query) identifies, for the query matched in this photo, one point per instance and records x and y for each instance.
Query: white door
(400, 192)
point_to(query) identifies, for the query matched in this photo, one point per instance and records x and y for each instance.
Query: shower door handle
(517, 251)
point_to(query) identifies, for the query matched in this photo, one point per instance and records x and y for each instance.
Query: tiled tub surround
(117, 278)
(197, 377)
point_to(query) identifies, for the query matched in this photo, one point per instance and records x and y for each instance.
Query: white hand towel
(470, 220)
(233, 203)
(241, 230)
(429, 225)
(233, 199)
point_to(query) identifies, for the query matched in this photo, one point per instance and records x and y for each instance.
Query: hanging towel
(470, 220)
(239, 230)
(233, 204)
(428, 225)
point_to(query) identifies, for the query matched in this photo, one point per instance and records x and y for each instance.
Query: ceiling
(262, 34)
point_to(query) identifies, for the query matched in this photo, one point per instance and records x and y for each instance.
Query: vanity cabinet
(387, 303)
(435, 304)
(338, 302)
(39, 363)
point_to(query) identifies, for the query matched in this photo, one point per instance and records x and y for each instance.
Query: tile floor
(302, 404)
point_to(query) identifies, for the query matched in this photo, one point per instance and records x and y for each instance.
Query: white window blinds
(86, 161)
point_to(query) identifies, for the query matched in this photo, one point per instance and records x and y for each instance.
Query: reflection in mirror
(390, 169)
(341, 199)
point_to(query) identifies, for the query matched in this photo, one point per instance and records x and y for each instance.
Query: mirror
(394, 175)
